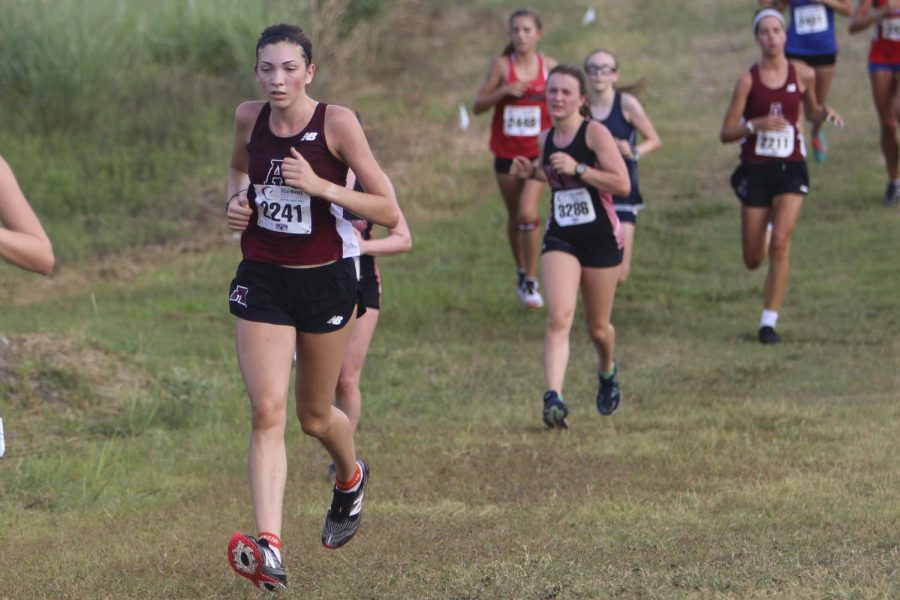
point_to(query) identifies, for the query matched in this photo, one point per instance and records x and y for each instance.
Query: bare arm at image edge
(23, 241)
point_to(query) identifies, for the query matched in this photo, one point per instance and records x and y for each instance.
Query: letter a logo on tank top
(274, 175)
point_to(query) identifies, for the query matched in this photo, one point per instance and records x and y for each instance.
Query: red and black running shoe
(254, 559)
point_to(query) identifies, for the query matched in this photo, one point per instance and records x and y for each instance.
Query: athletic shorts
(591, 250)
(503, 165)
(815, 60)
(757, 184)
(369, 282)
(314, 300)
(627, 209)
(890, 67)
(628, 213)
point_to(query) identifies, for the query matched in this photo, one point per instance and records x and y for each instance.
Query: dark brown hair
(285, 33)
(578, 74)
(522, 12)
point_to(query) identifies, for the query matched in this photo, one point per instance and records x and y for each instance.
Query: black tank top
(602, 202)
(294, 229)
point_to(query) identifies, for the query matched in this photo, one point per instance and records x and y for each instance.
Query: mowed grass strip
(730, 471)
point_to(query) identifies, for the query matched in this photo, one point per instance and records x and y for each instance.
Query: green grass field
(730, 471)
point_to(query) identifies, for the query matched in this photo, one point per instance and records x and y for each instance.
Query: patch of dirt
(60, 371)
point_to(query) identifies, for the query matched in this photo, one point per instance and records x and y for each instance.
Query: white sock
(769, 318)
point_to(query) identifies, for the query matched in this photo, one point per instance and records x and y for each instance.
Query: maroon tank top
(771, 146)
(288, 227)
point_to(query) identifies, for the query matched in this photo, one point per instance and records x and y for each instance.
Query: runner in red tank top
(765, 115)
(297, 287)
(884, 68)
(514, 87)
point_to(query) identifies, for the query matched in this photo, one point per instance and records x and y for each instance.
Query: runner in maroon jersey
(297, 286)
(765, 115)
(514, 87)
(884, 69)
(23, 241)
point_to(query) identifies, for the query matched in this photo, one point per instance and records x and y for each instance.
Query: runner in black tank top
(771, 181)
(625, 118)
(582, 221)
(348, 396)
(296, 289)
(581, 245)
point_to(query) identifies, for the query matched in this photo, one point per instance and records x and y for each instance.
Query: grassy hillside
(114, 113)
(730, 471)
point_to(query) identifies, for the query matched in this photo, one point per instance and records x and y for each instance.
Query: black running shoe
(609, 395)
(342, 520)
(767, 335)
(555, 411)
(255, 560)
(891, 194)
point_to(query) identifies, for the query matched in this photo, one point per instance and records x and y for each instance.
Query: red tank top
(885, 49)
(771, 146)
(518, 121)
(286, 226)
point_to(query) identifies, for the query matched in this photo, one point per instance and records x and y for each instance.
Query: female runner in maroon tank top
(766, 116)
(583, 244)
(514, 87)
(23, 241)
(296, 288)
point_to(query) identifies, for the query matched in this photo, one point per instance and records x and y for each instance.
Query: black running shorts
(757, 184)
(314, 300)
(815, 60)
(369, 282)
(503, 165)
(591, 250)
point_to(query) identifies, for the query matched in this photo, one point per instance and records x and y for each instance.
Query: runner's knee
(313, 425)
(779, 246)
(599, 332)
(560, 321)
(267, 413)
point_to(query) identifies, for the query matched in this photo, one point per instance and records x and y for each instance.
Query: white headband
(767, 12)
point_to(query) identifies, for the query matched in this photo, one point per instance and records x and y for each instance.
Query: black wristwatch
(580, 168)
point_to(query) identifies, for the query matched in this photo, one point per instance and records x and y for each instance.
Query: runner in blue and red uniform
(811, 38)
(884, 70)
(514, 87)
(771, 181)
(624, 116)
(296, 288)
(583, 242)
